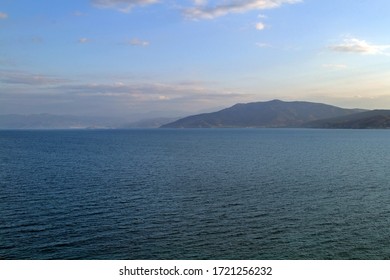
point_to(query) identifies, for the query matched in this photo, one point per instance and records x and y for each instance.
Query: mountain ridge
(269, 114)
(369, 119)
(52, 121)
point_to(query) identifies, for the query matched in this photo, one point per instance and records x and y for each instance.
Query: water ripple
(194, 194)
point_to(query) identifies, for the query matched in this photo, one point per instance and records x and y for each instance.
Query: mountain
(149, 123)
(368, 119)
(49, 121)
(275, 113)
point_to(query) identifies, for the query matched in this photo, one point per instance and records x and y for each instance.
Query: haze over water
(195, 194)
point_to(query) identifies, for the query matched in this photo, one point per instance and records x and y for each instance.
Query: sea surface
(195, 194)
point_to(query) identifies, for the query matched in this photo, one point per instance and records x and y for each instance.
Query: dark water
(195, 194)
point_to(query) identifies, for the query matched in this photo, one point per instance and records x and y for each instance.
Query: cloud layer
(233, 7)
(122, 5)
(51, 94)
(29, 79)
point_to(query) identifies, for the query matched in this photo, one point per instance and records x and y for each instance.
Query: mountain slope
(369, 119)
(273, 113)
(148, 123)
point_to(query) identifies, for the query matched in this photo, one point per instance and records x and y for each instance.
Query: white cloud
(260, 26)
(233, 7)
(84, 40)
(122, 5)
(353, 45)
(163, 97)
(138, 42)
(3, 15)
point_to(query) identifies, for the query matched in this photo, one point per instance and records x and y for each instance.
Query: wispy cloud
(28, 92)
(263, 45)
(30, 79)
(3, 15)
(138, 43)
(353, 45)
(84, 40)
(233, 7)
(146, 90)
(335, 66)
(122, 5)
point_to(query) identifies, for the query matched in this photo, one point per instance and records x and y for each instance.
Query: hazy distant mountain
(49, 121)
(275, 113)
(149, 123)
(368, 119)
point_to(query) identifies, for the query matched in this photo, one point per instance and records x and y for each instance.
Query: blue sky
(132, 57)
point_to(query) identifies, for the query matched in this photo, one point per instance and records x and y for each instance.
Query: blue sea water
(195, 194)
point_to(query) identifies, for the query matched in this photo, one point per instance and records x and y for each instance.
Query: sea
(199, 194)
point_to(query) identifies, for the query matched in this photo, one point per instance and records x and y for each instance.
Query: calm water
(195, 194)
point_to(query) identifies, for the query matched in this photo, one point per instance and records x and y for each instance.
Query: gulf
(195, 194)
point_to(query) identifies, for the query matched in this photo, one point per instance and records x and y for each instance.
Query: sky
(129, 58)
